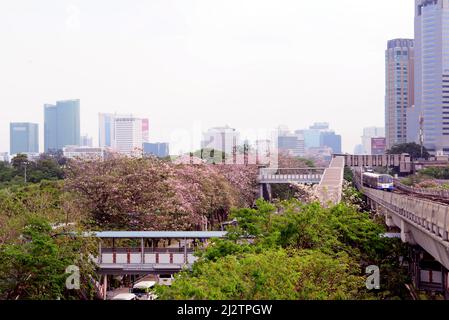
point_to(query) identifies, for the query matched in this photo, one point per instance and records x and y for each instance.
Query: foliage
(149, 194)
(44, 168)
(340, 241)
(413, 149)
(33, 267)
(296, 275)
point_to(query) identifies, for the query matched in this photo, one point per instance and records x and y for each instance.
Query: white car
(165, 279)
(125, 296)
(143, 290)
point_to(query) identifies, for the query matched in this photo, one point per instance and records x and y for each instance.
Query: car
(125, 296)
(165, 279)
(143, 290)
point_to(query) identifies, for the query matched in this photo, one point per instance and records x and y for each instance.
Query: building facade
(431, 113)
(128, 136)
(84, 153)
(331, 140)
(62, 125)
(159, 149)
(400, 93)
(106, 132)
(368, 134)
(225, 139)
(24, 138)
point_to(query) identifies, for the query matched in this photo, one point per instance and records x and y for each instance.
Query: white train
(378, 181)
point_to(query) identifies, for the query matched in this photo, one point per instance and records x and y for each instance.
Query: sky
(188, 65)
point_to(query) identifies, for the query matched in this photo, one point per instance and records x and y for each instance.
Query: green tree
(413, 149)
(33, 267)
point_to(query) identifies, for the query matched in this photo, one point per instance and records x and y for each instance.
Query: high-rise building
(312, 136)
(331, 140)
(128, 135)
(225, 139)
(292, 144)
(368, 134)
(106, 130)
(24, 138)
(431, 112)
(159, 149)
(62, 125)
(399, 95)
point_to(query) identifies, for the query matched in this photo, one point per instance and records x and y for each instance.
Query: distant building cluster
(317, 140)
(122, 134)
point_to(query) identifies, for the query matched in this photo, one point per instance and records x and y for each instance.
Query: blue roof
(161, 234)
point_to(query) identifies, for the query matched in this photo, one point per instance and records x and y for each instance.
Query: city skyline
(207, 66)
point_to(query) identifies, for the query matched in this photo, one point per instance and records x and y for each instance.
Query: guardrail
(434, 217)
(444, 194)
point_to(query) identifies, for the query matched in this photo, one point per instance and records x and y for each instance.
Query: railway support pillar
(389, 220)
(406, 235)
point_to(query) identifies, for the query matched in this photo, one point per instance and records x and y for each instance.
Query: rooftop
(161, 234)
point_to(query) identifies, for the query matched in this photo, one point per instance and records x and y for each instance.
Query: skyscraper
(128, 135)
(431, 76)
(106, 130)
(331, 140)
(399, 95)
(62, 125)
(24, 138)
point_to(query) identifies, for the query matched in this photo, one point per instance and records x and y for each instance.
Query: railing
(431, 216)
(284, 175)
(134, 256)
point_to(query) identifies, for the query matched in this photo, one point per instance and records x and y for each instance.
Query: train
(377, 181)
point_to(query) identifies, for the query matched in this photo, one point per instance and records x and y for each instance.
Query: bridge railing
(443, 194)
(284, 175)
(432, 216)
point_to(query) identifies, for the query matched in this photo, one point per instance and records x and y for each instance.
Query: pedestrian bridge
(291, 175)
(149, 252)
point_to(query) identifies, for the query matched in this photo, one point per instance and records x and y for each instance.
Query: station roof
(161, 234)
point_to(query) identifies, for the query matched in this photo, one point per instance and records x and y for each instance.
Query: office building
(431, 112)
(128, 136)
(329, 139)
(160, 150)
(62, 125)
(84, 153)
(368, 134)
(291, 143)
(225, 139)
(24, 138)
(106, 130)
(399, 95)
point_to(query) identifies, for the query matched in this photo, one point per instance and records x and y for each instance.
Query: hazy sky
(191, 64)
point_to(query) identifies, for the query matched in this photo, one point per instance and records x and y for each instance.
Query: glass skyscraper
(62, 125)
(431, 111)
(24, 138)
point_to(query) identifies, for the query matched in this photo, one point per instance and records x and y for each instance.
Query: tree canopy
(413, 149)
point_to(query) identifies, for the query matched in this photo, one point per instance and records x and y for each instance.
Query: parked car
(165, 279)
(144, 290)
(125, 296)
